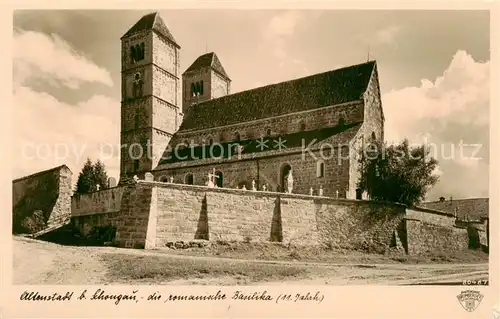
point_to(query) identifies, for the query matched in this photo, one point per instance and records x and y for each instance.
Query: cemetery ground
(39, 262)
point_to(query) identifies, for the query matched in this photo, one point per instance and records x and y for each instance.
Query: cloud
(53, 60)
(386, 35)
(284, 24)
(49, 131)
(451, 115)
(279, 30)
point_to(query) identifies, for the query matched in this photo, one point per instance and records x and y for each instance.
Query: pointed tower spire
(200, 79)
(152, 21)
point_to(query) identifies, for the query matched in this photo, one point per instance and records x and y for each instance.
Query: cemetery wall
(431, 231)
(154, 214)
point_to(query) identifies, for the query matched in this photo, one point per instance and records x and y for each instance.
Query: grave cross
(211, 178)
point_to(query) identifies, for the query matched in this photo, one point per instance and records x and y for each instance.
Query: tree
(100, 175)
(397, 173)
(90, 176)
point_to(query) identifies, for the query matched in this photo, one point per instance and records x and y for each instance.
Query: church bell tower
(151, 95)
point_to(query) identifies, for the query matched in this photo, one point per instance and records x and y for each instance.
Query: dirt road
(37, 262)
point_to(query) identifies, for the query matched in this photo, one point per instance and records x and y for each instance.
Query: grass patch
(122, 267)
(469, 256)
(279, 252)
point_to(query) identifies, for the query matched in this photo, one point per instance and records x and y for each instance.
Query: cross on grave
(320, 193)
(264, 187)
(311, 191)
(211, 179)
(337, 193)
(171, 179)
(253, 186)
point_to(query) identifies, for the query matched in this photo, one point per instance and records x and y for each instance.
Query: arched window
(136, 165)
(374, 137)
(189, 179)
(164, 179)
(137, 85)
(268, 132)
(201, 87)
(210, 141)
(193, 89)
(221, 137)
(237, 136)
(341, 121)
(320, 169)
(132, 54)
(302, 126)
(218, 179)
(141, 57)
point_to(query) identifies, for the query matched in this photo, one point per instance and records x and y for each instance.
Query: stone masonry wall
(364, 225)
(103, 201)
(41, 201)
(268, 170)
(186, 212)
(153, 214)
(279, 125)
(431, 231)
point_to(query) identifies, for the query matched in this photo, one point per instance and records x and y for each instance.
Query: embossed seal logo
(470, 299)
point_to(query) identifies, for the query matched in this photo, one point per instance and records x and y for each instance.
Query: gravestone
(148, 177)
(111, 182)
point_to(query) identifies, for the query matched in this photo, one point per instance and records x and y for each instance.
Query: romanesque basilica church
(190, 127)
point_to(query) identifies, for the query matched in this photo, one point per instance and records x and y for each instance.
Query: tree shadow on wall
(276, 225)
(202, 229)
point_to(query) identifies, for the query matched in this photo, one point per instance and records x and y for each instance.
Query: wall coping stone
(237, 191)
(432, 211)
(64, 166)
(101, 190)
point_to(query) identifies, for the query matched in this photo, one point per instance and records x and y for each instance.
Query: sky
(433, 72)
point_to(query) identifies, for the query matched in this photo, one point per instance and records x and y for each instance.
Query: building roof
(320, 90)
(473, 208)
(152, 21)
(208, 60)
(341, 134)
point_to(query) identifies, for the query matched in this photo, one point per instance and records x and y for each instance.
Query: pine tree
(100, 176)
(91, 176)
(85, 183)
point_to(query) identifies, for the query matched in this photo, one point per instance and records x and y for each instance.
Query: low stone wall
(196, 212)
(41, 201)
(429, 231)
(100, 202)
(351, 224)
(154, 214)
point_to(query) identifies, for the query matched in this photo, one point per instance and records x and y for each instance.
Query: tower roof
(208, 60)
(152, 21)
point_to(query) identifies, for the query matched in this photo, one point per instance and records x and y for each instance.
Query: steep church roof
(152, 21)
(308, 93)
(208, 60)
